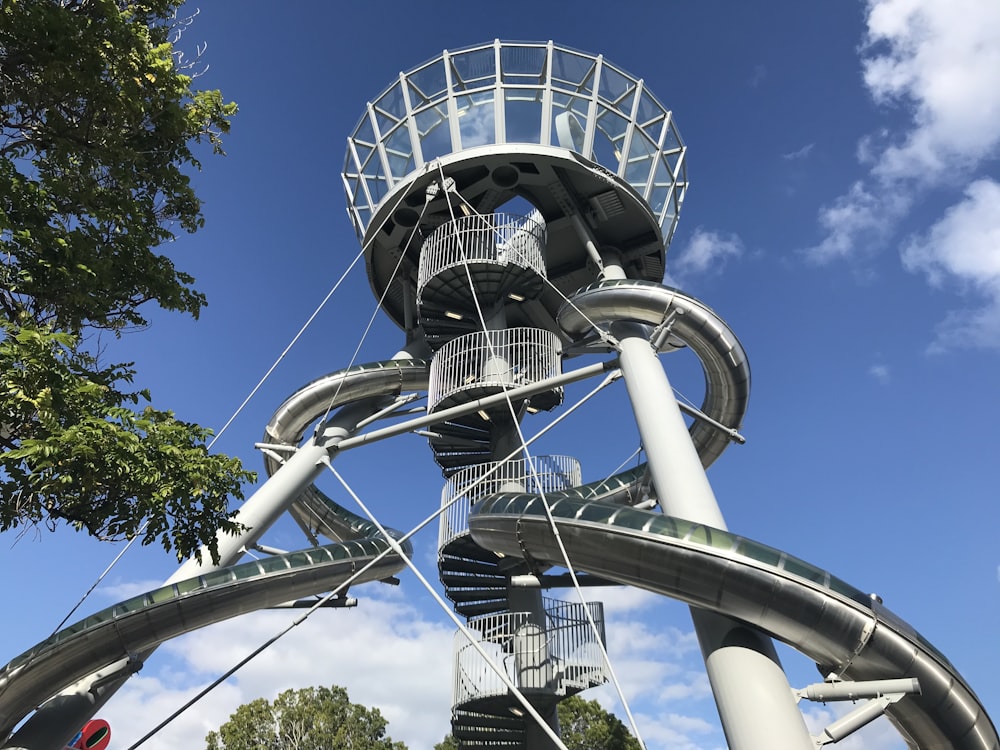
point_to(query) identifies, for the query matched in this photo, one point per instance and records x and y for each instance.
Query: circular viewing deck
(581, 140)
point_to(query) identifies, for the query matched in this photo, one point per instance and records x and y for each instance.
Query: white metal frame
(516, 93)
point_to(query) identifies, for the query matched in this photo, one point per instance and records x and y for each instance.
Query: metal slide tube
(743, 667)
(54, 724)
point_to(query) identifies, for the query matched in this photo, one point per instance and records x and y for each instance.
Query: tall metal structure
(515, 202)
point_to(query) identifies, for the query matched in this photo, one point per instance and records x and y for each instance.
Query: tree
(307, 719)
(448, 743)
(99, 124)
(584, 725)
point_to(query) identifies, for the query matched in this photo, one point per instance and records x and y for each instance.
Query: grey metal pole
(755, 702)
(265, 506)
(53, 725)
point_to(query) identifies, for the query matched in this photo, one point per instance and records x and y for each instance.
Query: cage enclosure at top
(592, 151)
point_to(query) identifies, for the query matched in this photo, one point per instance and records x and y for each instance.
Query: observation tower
(514, 204)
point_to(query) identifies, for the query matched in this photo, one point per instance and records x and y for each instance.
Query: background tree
(308, 719)
(448, 743)
(99, 121)
(584, 725)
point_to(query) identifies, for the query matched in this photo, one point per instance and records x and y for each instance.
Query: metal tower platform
(515, 202)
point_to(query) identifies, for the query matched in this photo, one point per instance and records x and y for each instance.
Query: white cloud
(706, 250)
(857, 218)
(385, 652)
(939, 59)
(963, 247)
(388, 654)
(675, 731)
(880, 373)
(800, 153)
(934, 62)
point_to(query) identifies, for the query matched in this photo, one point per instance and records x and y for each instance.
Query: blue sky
(843, 217)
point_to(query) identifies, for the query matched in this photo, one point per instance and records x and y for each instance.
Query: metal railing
(504, 359)
(563, 655)
(542, 474)
(501, 239)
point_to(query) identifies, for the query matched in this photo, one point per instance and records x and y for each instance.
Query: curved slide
(840, 628)
(140, 624)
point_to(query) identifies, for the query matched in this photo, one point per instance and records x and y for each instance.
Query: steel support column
(754, 699)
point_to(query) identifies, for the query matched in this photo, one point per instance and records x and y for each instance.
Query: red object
(95, 735)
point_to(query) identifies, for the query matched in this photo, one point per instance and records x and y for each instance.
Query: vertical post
(754, 699)
(534, 670)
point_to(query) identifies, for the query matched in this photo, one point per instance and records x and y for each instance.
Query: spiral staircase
(471, 270)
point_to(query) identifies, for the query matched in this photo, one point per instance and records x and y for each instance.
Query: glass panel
(664, 526)
(364, 216)
(351, 184)
(297, 559)
(596, 512)
(97, 618)
(73, 629)
(364, 151)
(759, 552)
(522, 64)
(630, 518)
(321, 555)
(365, 133)
(662, 182)
(476, 119)
(130, 605)
(608, 138)
(247, 570)
(390, 109)
(399, 149)
(805, 570)
(617, 89)
(641, 152)
(217, 577)
(710, 537)
(578, 105)
(673, 159)
(672, 141)
(569, 121)
(529, 504)
(316, 556)
(435, 137)
(473, 69)
(523, 110)
(649, 109)
(849, 591)
(273, 564)
(162, 594)
(377, 187)
(574, 71)
(503, 504)
(427, 84)
(373, 164)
